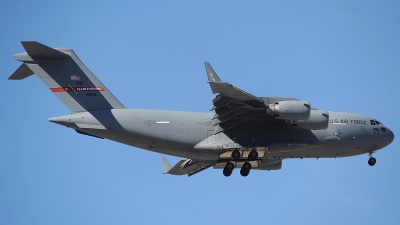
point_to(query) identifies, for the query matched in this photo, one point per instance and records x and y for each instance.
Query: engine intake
(290, 110)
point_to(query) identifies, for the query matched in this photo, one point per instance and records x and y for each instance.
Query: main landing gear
(244, 171)
(228, 169)
(371, 160)
(236, 155)
(253, 155)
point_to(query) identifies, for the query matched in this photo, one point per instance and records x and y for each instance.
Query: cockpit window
(375, 122)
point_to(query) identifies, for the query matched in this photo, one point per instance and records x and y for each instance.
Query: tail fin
(66, 76)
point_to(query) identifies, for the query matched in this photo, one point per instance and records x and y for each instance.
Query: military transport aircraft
(246, 131)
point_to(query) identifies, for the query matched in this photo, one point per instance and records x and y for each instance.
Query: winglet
(211, 74)
(167, 167)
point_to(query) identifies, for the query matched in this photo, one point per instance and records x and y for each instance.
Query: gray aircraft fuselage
(177, 133)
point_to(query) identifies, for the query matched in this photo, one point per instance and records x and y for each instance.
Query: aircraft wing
(233, 106)
(183, 167)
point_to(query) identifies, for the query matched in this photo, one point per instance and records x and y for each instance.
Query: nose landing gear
(371, 160)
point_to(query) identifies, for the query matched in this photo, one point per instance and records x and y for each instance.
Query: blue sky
(339, 55)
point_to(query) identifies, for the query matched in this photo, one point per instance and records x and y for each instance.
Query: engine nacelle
(319, 120)
(290, 110)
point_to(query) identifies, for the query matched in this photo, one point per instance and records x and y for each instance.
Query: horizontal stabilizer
(183, 167)
(21, 73)
(38, 50)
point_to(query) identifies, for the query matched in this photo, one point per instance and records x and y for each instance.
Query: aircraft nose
(390, 136)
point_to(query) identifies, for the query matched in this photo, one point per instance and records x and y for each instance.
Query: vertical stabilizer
(66, 76)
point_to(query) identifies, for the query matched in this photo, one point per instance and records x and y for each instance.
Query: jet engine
(319, 120)
(290, 110)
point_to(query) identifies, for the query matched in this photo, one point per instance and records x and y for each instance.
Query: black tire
(244, 172)
(245, 169)
(229, 166)
(371, 161)
(235, 155)
(246, 166)
(227, 173)
(253, 155)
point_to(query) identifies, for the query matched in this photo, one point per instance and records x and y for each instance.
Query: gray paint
(241, 120)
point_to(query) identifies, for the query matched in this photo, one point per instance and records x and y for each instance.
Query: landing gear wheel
(371, 161)
(245, 169)
(253, 155)
(229, 166)
(246, 166)
(235, 155)
(228, 169)
(227, 173)
(244, 173)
